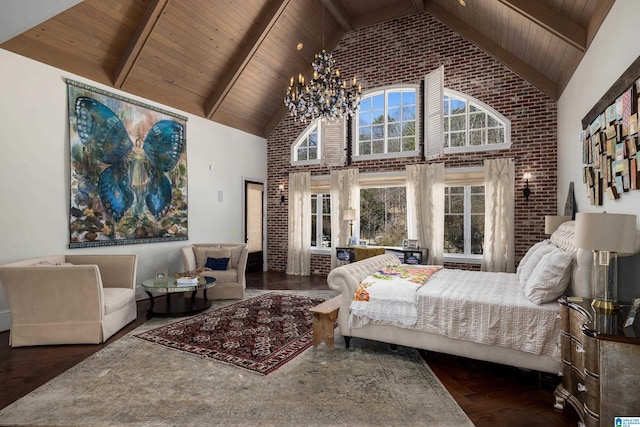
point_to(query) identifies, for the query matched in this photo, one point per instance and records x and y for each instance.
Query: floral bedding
(390, 294)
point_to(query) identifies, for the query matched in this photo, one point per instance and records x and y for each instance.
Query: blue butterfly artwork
(137, 170)
(125, 182)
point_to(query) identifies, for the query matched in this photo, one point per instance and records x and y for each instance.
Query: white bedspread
(488, 308)
(390, 294)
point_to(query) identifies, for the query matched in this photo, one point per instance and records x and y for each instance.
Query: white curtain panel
(425, 208)
(345, 194)
(499, 183)
(299, 248)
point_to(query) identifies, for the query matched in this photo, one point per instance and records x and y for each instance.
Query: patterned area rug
(260, 334)
(134, 382)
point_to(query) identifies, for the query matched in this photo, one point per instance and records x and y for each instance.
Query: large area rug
(260, 334)
(134, 382)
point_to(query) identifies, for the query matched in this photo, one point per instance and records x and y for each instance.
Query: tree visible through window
(387, 122)
(469, 124)
(464, 220)
(383, 215)
(320, 221)
(306, 149)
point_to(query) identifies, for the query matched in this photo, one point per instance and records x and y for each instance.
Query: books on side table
(187, 281)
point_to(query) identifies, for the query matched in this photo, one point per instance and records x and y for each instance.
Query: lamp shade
(606, 232)
(350, 214)
(552, 222)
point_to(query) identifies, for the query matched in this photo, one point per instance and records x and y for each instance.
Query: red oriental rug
(259, 334)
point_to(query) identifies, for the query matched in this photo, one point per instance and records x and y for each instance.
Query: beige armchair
(69, 299)
(230, 281)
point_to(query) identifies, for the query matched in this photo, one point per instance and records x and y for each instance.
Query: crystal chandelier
(326, 95)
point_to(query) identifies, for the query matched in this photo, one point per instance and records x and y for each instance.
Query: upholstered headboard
(580, 284)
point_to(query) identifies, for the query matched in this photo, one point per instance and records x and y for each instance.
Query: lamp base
(605, 307)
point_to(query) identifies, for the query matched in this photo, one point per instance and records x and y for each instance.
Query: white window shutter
(433, 114)
(333, 136)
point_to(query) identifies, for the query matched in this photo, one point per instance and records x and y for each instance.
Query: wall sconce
(281, 188)
(526, 191)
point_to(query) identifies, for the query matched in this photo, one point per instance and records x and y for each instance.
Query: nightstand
(600, 358)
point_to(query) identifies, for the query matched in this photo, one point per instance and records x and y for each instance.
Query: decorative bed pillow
(531, 259)
(217, 263)
(550, 277)
(563, 237)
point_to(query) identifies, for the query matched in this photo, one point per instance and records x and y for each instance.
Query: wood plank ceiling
(231, 60)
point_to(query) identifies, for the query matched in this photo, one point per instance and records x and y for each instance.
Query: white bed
(481, 315)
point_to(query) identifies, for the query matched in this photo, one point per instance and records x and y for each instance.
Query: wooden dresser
(601, 364)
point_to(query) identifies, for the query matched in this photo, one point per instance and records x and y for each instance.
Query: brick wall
(403, 51)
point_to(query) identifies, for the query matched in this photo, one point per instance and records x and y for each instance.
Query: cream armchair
(230, 281)
(69, 299)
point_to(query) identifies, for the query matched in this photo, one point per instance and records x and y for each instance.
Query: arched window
(386, 123)
(306, 149)
(470, 125)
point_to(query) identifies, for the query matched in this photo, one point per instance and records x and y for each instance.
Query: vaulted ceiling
(230, 61)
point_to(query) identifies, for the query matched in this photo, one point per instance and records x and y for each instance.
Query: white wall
(612, 51)
(614, 48)
(34, 173)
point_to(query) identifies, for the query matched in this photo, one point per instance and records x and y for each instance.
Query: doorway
(253, 220)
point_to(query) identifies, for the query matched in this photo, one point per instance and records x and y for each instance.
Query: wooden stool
(324, 316)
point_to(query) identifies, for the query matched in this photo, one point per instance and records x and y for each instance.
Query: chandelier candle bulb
(326, 95)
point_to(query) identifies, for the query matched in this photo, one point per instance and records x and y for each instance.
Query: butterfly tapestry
(128, 171)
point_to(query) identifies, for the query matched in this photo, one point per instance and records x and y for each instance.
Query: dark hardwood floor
(490, 394)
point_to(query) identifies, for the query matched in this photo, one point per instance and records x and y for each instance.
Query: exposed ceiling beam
(519, 67)
(601, 11)
(139, 40)
(339, 13)
(235, 69)
(547, 18)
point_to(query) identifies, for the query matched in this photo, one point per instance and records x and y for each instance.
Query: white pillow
(531, 259)
(550, 277)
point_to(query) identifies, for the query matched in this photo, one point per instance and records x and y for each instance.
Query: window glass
(383, 216)
(470, 125)
(386, 122)
(320, 221)
(464, 220)
(307, 146)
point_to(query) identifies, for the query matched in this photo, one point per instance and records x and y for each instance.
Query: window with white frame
(464, 221)
(383, 215)
(306, 149)
(386, 122)
(470, 125)
(320, 221)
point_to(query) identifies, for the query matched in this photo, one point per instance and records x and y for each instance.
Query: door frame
(245, 181)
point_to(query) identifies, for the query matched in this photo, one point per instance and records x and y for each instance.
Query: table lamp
(350, 215)
(606, 234)
(552, 222)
